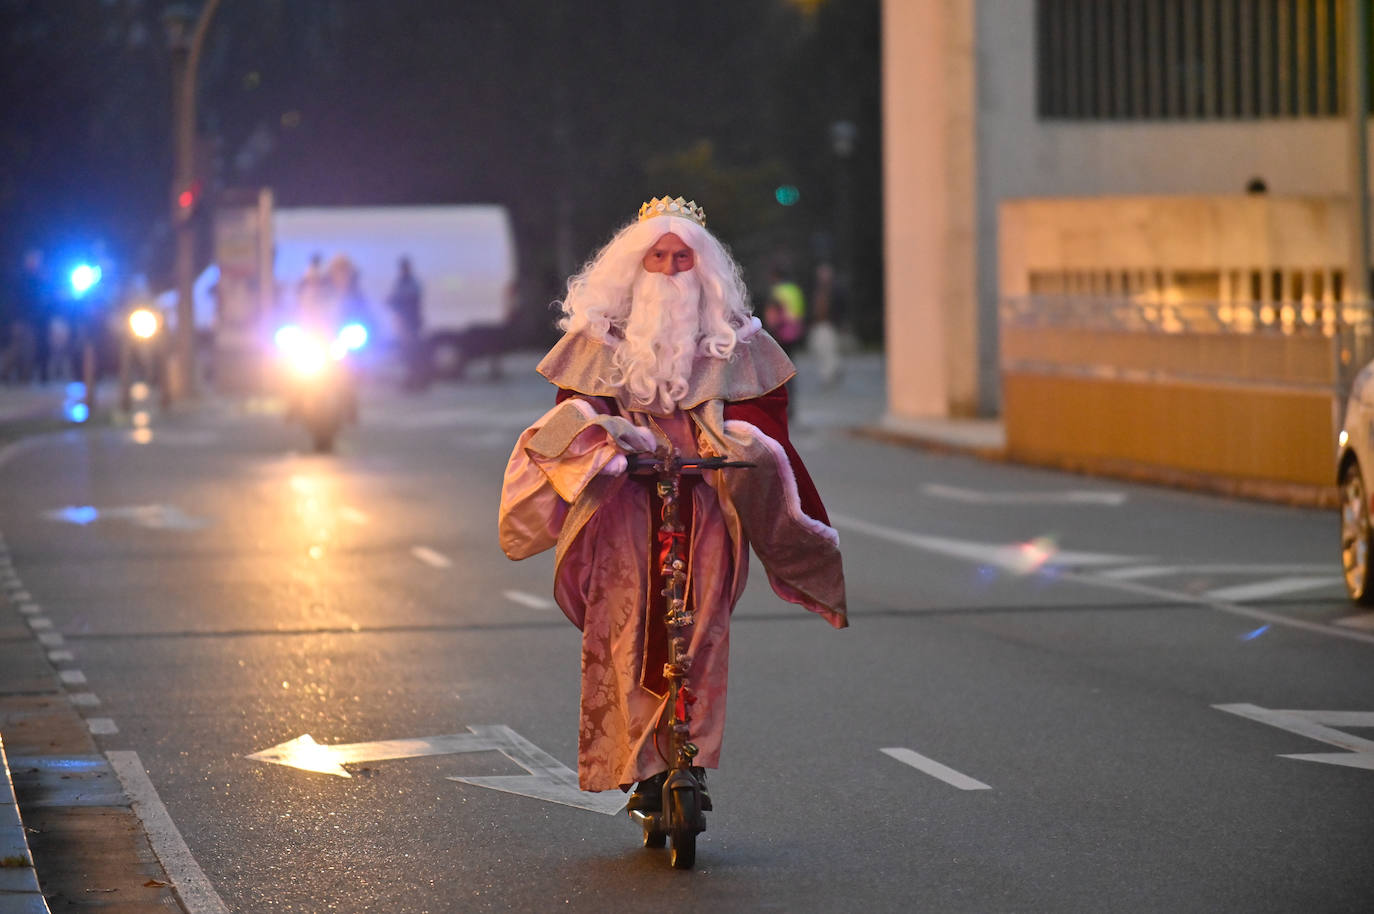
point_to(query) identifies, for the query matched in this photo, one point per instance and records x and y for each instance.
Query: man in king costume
(661, 353)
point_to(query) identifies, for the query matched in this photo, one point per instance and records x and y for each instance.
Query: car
(1354, 471)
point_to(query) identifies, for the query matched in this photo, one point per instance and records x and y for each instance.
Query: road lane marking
(102, 726)
(1318, 725)
(51, 639)
(978, 497)
(1015, 557)
(1361, 621)
(195, 890)
(72, 677)
(84, 699)
(935, 769)
(1136, 572)
(979, 552)
(1258, 590)
(529, 599)
(61, 656)
(353, 515)
(29, 609)
(38, 623)
(430, 557)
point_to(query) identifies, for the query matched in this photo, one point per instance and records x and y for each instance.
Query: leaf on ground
(155, 884)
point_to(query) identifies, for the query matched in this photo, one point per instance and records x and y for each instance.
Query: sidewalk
(77, 827)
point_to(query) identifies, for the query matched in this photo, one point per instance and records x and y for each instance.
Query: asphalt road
(1059, 645)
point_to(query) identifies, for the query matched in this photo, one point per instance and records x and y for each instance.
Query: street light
(185, 38)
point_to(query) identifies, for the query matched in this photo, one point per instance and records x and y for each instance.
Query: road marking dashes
(353, 515)
(528, 599)
(72, 677)
(102, 726)
(935, 769)
(430, 557)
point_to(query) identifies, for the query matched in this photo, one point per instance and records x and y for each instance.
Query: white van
(463, 256)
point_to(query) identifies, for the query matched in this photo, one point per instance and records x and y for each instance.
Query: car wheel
(1355, 535)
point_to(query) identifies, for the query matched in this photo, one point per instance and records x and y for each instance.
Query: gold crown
(668, 206)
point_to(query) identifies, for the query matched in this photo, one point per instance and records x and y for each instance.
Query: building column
(930, 213)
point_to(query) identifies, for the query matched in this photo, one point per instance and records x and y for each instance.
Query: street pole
(185, 52)
(843, 135)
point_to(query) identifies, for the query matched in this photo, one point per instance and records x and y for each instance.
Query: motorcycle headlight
(288, 337)
(309, 358)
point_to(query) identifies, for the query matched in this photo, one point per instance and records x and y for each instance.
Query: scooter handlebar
(653, 463)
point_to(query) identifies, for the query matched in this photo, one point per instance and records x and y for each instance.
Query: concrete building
(987, 101)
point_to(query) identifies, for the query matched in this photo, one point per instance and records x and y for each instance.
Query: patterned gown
(603, 527)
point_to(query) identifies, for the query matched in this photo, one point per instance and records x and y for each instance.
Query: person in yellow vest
(784, 314)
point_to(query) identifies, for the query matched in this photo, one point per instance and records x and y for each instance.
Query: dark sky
(567, 113)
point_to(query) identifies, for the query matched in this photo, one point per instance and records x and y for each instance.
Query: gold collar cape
(757, 366)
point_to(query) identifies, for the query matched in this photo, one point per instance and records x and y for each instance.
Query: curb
(1294, 495)
(19, 891)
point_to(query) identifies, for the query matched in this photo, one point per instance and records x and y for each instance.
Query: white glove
(640, 440)
(615, 466)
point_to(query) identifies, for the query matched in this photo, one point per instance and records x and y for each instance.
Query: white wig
(600, 296)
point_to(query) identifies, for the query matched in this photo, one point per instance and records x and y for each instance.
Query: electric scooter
(682, 814)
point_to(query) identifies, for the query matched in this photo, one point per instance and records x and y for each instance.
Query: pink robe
(605, 576)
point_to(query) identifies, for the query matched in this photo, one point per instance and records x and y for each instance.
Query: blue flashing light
(787, 194)
(84, 277)
(353, 336)
(78, 412)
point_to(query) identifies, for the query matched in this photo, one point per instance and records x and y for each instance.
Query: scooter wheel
(685, 816)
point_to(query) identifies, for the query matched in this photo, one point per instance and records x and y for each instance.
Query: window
(1189, 59)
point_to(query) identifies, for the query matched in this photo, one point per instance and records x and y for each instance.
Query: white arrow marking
(1318, 725)
(1074, 497)
(306, 754)
(548, 779)
(1016, 557)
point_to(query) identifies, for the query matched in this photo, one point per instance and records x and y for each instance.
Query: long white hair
(600, 299)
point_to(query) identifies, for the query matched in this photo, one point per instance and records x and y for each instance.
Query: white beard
(654, 360)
